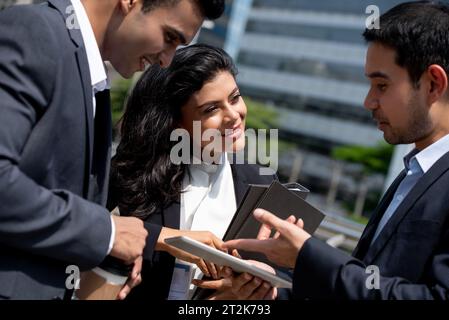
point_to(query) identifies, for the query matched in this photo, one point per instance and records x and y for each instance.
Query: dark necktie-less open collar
(413, 174)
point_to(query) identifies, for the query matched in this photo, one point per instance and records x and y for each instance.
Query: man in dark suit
(404, 250)
(55, 131)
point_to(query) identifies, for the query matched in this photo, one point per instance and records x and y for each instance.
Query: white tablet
(224, 259)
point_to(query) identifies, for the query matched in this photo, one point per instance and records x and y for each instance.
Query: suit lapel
(172, 215)
(66, 10)
(434, 173)
(63, 6)
(83, 68)
(365, 240)
(240, 183)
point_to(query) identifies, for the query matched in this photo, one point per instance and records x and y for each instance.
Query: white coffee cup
(103, 282)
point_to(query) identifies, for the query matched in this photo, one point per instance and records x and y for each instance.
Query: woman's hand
(206, 237)
(239, 286)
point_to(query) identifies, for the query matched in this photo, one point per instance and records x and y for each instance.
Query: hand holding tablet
(224, 259)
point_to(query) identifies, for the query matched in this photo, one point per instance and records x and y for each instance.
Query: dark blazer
(158, 266)
(48, 166)
(411, 252)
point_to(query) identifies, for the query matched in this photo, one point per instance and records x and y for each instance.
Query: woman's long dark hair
(143, 178)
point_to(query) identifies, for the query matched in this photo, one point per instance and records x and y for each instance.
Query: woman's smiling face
(219, 106)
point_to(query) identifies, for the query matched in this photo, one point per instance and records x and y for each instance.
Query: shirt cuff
(111, 241)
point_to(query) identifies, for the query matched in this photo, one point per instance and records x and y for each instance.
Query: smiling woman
(177, 199)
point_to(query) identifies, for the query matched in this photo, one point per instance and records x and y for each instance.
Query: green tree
(260, 116)
(373, 160)
(119, 93)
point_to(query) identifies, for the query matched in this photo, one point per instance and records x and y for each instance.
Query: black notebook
(281, 200)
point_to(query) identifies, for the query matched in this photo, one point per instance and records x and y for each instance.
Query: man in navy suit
(404, 250)
(55, 131)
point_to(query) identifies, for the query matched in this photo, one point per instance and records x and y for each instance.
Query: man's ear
(127, 5)
(438, 82)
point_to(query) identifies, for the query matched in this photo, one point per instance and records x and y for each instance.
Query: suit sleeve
(323, 272)
(154, 231)
(53, 223)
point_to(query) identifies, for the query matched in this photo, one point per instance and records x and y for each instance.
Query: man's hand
(134, 279)
(285, 245)
(130, 236)
(206, 237)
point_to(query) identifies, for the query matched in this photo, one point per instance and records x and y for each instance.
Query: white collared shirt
(208, 203)
(98, 76)
(208, 200)
(416, 163)
(428, 156)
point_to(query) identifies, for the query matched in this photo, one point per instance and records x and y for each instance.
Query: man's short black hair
(210, 9)
(418, 32)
